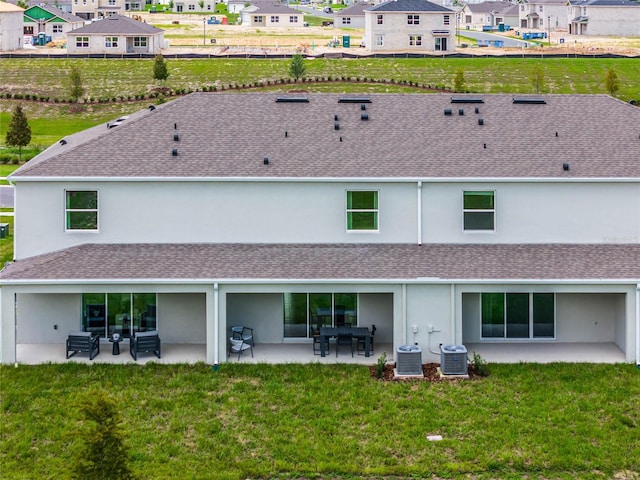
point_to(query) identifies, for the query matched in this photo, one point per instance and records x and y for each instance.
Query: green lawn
(331, 421)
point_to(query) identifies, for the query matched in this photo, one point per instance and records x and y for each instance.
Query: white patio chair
(239, 346)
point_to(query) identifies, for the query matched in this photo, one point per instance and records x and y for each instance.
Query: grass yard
(555, 421)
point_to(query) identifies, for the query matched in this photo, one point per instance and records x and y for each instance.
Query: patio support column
(8, 353)
(404, 314)
(637, 325)
(419, 213)
(213, 349)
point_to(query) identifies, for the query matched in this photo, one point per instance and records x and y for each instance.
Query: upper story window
(447, 19)
(413, 19)
(380, 19)
(541, 8)
(522, 8)
(362, 210)
(112, 3)
(82, 42)
(81, 210)
(479, 210)
(57, 28)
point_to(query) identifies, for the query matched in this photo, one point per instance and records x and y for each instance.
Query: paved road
(508, 41)
(6, 196)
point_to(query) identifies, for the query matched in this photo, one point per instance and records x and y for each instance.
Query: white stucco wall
(11, 30)
(264, 312)
(97, 44)
(181, 317)
(39, 313)
(429, 305)
(396, 31)
(618, 21)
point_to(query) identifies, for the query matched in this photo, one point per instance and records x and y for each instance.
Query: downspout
(404, 313)
(638, 325)
(216, 326)
(419, 213)
(15, 330)
(452, 292)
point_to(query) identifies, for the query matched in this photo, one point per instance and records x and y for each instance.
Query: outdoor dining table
(328, 332)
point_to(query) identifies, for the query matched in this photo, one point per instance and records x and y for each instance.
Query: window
(258, 19)
(541, 8)
(415, 40)
(379, 40)
(518, 315)
(346, 20)
(479, 211)
(139, 41)
(467, 19)
(362, 210)
(112, 3)
(275, 19)
(191, 7)
(380, 19)
(413, 19)
(208, 7)
(318, 309)
(447, 19)
(293, 19)
(82, 42)
(81, 210)
(111, 313)
(57, 28)
(27, 30)
(111, 42)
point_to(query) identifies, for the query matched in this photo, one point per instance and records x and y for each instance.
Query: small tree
(160, 71)
(458, 80)
(612, 82)
(76, 84)
(102, 454)
(18, 131)
(537, 79)
(297, 67)
(201, 5)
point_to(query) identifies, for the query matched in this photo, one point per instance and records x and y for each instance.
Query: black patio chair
(83, 342)
(144, 342)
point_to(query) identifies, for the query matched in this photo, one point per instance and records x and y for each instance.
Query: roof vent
(176, 137)
(363, 107)
(335, 117)
(117, 122)
(354, 100)
(265, 161)
(466, 100)
(480, 121)
(292, 100)
(63, 142)
(336, 126)
(529, 100)
(565, 167)
(461, 111)
(174, 152)
(447, 111)
(477, 110)
(175, 126)
(152, 107)
(364, 116)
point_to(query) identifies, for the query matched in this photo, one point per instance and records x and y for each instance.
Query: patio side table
(116, 345)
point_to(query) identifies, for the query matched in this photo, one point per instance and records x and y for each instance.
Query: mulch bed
(430, 371)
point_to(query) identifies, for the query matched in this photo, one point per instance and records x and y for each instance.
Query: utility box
(409, 360)
(346, 41)
(4, 230)
(453, 359)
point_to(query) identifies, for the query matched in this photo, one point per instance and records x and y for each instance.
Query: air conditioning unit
(408, 360)
(453, 359)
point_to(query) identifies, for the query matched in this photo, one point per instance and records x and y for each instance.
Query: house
(351, 17)
(116, 34)
(10, 27)
(265, 13)
(546, 15)
(193, 6)
(235, 6)
(50, 22)
(523, 233)
(477, 15)
(64, 5)
(411, 26)
(95, 9)
(604, 17)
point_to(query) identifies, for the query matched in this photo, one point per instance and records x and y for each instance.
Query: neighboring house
(351, 17)
(94, 9)
(11, 22)
(477, 15)
(118, 35)
(50, 22)
(604, 17)
(546, 15)
(411, 26)
(64, 5)
(193, 6)
(264, 13)
(236, 6)
(483, 220)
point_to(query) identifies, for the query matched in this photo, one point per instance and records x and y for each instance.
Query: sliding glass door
(106, 314)
(518, 315)
(318, 309)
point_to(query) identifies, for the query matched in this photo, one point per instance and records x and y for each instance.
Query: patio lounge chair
(144, 342)
(83, 342)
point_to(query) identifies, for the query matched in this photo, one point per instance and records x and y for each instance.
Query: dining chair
(239, 346)
(344, 340)
(361, 343)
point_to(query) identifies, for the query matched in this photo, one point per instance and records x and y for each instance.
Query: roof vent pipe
(556, 134)
(335, 117)
(485, 145)
(480, 121)
(286, 134)
(152, 107)
(63, 142)
(176, 137)
(477, 110)
(175, 126)
(336, 126)
(174, 152)
(461, 111)
(363, 107)
(364, 116)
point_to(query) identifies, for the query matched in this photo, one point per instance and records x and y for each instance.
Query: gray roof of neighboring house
(354, 10)
(69, 17)
(487, 7)
(325, 262)
(606, 3)
(267, 7)
(117, 25)
(408, 6)
(223, 135)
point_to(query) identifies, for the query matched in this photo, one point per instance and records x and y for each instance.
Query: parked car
(328, 10)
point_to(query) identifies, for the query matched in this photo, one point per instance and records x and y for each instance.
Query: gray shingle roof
(117, 24)
(266, 7)
(486, 7)
(317, 262)
(409, 6)
(354, 10)
(229, 134)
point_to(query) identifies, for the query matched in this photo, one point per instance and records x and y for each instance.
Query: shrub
(381, 365)
(480, 365)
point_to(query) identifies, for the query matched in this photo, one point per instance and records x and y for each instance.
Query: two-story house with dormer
(520, 237)
(604, 17)
(546, 15)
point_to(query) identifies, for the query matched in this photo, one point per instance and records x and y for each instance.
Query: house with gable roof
(411, 26)
(604, 17)
(50, 21)
(369, 209)
(476, 15)
(116, 34)
(351, 17)
(547, 15)
(267, 13)
(10, 27)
